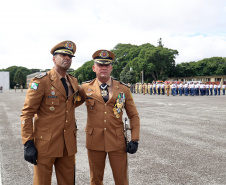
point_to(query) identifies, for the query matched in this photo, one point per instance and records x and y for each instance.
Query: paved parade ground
(183, 141)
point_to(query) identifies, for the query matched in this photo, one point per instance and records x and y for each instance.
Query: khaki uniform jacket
(54, 116)
(105, 132)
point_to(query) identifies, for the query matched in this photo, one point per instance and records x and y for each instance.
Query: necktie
(104, 92)
(65, 85)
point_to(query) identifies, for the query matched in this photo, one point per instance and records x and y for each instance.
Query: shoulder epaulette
(88, 81)
(124, 84)
(113, 78)
(71, 75)
(41, 75)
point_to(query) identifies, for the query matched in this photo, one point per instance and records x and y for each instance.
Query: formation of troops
(178, 88)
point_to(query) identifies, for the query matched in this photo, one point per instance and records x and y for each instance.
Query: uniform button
(105, 129)
(105, 104)
(67, 101)
(64, 130)
(66, 110)
(66, 121)
(41, 137)
(105, 112)
(105, 121)
(52, 102)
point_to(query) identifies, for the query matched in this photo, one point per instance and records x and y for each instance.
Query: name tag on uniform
(52, 96)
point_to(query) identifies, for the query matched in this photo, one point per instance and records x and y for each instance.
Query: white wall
(4, 80)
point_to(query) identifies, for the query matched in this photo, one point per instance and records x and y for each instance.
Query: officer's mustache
(66, 60)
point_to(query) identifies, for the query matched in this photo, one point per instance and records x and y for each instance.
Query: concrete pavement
(183, 141)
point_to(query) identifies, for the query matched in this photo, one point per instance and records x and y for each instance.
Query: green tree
(12, 71)
(158, 63)
(19, 78)
(206, 67)
(85, 72)
(131, 77)
(35, 70)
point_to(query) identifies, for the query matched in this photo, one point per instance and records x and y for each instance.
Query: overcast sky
(30, 28)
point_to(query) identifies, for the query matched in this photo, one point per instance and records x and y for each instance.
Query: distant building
(219, 79)
(4, 80)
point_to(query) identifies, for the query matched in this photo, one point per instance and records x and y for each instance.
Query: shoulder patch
(34, 86)
(124, 84)
(41, 75)
(88, 81)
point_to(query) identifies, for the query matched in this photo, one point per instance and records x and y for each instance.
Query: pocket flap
(52, 101)
(89, 130)
(119, 131)
(90, 102)
(43, 135)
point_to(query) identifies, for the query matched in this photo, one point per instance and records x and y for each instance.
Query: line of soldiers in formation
(193, 89)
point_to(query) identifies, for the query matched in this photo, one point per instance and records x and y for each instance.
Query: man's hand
(30, 152)
(132, 147)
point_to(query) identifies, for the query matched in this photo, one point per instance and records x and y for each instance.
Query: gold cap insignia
(104, 54)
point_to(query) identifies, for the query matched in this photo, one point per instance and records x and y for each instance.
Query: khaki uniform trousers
(64, 168)
(167, 90)
(118, 162)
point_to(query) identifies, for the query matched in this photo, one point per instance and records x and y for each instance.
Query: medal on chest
(104, 93)
(119, 104)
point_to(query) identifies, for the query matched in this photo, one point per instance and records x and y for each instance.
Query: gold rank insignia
(78, 98)
(52, 108)
(75, 98)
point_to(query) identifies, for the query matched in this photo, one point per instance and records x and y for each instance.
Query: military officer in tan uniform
(136, 88)
(149, 85)
(140, 88)
(51, 100)
(143, 87)
(146, 88)
(106, 99)
(168, 88)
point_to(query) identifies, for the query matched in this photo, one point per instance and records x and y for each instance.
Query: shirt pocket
(42, 140)
(89, 136)
(52, 105)
(90, 104)
(52, 101)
